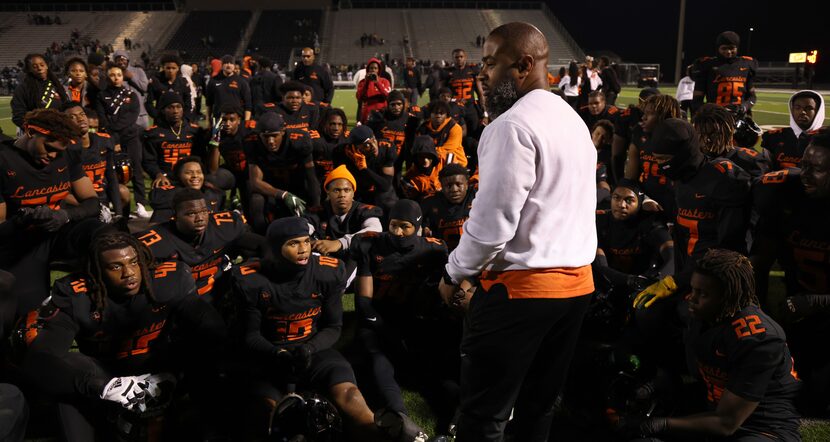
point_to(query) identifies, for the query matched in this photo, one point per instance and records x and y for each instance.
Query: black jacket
(160, 85)
(33, 94)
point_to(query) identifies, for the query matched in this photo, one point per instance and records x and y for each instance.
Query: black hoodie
(34, 93)
(160, 85)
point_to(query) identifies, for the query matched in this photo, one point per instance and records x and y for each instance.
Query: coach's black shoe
(399, 427)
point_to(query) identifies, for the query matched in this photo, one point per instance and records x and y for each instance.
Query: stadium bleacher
(277, 32)
(151, 29)
(433, 33)
(209, 33)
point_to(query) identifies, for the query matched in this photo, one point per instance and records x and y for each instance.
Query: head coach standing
(529, 242)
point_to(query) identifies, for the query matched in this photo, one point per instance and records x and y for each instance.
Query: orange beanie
(340, 172)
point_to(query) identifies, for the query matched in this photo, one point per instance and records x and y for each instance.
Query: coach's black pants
(515, 351)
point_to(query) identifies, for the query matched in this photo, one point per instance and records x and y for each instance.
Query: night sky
(645, 31)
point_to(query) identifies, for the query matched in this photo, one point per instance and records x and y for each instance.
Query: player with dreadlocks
(121, 311)
(742, 356)
(39, 171)
(642, 163)
(715, 126)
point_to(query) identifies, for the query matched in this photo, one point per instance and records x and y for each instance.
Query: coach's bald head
(515, 62)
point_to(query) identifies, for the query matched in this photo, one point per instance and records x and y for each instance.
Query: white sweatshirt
(535, 207)
(685, 89)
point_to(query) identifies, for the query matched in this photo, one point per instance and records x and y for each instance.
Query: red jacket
(372, 96)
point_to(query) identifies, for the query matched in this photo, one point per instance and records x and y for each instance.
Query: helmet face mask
(307, 415)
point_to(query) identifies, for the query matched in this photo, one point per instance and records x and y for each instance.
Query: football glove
(48, 219)
(659, 290)
(131, 392)
(216, 133)
(301, 358)
(357, 156)
(294, 203)
(654, 425)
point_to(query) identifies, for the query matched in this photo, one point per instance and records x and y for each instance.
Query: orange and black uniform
(222, 90)
(750, 160)
(447, 138)
(393, 320)
(329, 226)
(290, 306)
(446, 220)
(323, 153)
(397, 130)
(163, 148)
(797, 226)
(232, 150)
(462, 81)
(373, 186)
(208, 257)
(305, 119)
(610, 113)
(98, 162)
(285, 169)
(133, 335)
(631, 247)
(655, 184)
(725, 81)
(786, 149)
(712, 212)
(747, 354)
(25, 249)
(162, 198)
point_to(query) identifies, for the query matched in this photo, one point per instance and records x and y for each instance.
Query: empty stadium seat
(222, 27)
(275, 33)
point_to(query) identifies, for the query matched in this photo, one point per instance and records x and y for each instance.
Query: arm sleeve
(18, 104)
(49, 364)
(382, 181)
(150, 158)
(495, 216)
(369, 225)
(616, 277)
(150, 101)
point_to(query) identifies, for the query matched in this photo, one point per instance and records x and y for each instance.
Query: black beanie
(283, 229)
(407, 210)
(227, 59)
(168, 98)
(728, 38)
(677, 137)
(395, 95)
(634, 186)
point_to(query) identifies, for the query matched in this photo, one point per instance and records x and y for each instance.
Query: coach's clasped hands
(659, 290)
(134, 392)
(457, 296)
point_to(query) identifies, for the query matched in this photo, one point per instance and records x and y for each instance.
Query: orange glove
(357, 156)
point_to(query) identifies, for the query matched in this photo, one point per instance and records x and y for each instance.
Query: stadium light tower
(678, 62)
(749, 41)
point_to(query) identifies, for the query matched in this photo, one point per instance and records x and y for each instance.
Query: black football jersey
(305, 119)
(161, 198)
(445, 220)
(386, 157)
(723, 81)
(610, 113)
(627, 120)
(462, 81)
(750, 160)
(164, 147)
(631, 246)
(397, 281)
(289, 310)
(656, 185)
(785, 148)
(394, 130)
(747, 354)
(131, 333)
(799, 224)
(232, 150)
(97, 160)
(284, 169)
(209, 260)
(712, 212)
(329, 226)
(24, 185)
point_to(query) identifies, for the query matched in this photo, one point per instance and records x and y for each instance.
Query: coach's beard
(502, 97)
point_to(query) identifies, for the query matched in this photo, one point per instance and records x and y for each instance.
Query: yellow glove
(659, 290)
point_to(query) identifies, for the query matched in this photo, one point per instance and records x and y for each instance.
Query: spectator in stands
(228, 88)
(372, 90)
(570, 84)
(136, 79)
(169, 79)
(265, 85)
(118, 107)
(610, 83)
(315, 76)
(76, 87)
(41, 89)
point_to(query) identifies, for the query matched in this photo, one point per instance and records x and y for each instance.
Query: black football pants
(515, 352)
